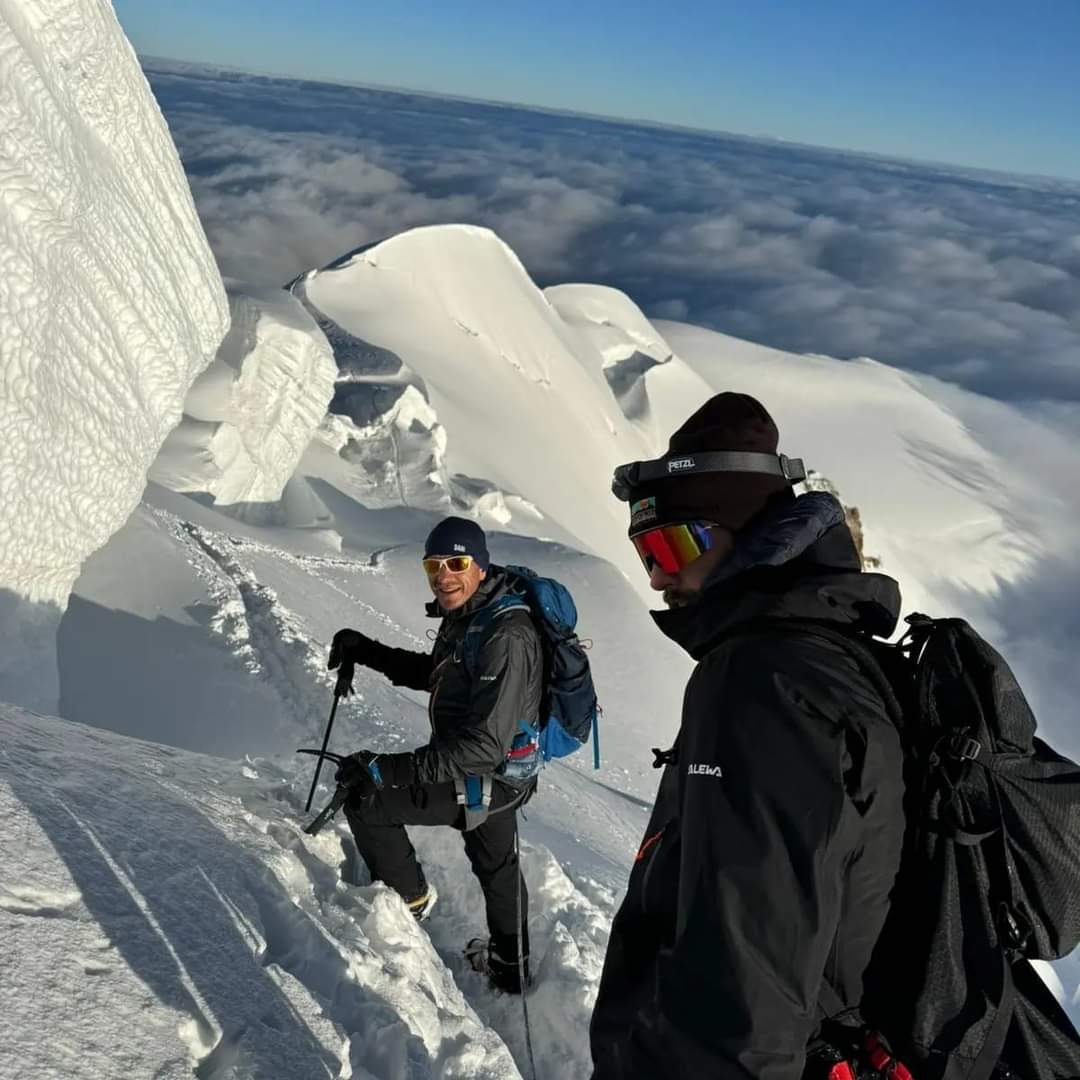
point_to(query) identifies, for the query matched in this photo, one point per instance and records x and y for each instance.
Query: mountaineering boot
(421, 905)
(503, 975)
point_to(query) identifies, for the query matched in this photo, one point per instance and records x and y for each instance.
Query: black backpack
(990, 876)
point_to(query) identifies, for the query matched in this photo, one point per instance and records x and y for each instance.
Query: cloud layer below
(973, 277)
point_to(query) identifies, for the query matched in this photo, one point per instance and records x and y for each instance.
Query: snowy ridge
(499, 367)
(250, 415)
(398, 458)
(611, 321)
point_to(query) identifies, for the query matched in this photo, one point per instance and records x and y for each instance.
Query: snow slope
(214, 938)
(628, 343)
(110, 303)
(945, 517)
(250, 415)
(970, 504)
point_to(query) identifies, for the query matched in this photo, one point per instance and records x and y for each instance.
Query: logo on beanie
(679, 464)
(461, 548)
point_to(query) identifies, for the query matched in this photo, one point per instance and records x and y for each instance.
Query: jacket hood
(798, 562)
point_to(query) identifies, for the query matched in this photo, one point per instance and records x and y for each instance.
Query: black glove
(395, 770)
(366, 772)
(348, 648)
(354, 772)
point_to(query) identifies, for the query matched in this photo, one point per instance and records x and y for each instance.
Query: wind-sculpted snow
(610, 320)
(110, 300)
(629, 344)
(520, 391)
(250, 415)
(398, 458)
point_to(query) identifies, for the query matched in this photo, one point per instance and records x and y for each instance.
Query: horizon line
(626, 121)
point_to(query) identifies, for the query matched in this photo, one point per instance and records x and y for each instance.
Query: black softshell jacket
(775, 838)
(474, 717)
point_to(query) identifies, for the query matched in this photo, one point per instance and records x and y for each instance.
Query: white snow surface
(628, 343)
(610, 320)
(172, 919)
(110, 300)
(250, 415)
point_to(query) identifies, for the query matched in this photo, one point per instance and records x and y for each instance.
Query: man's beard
(679, 598)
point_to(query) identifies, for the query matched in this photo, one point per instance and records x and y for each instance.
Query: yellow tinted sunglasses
(456, 564)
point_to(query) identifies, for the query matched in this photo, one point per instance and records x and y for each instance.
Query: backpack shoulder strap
(476, 631)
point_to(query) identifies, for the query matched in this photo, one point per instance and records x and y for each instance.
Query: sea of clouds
(971, 276)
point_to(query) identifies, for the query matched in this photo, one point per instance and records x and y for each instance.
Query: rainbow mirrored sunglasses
(456, 564)
(671, 547)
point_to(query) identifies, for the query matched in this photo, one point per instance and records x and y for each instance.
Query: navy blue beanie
(458, 536)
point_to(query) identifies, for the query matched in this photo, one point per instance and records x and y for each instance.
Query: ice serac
(110, 302)
(628, 343)
(250, 414)
(520, 392)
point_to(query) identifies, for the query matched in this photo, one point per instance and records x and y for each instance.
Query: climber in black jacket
(459, 778)
(763, 878)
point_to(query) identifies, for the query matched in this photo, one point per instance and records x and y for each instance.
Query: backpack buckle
(1015, 930)
(965, 748)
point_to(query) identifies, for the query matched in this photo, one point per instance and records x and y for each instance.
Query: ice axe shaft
(322, 752)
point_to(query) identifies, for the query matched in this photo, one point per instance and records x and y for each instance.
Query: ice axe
(341, 689)
(335, 804)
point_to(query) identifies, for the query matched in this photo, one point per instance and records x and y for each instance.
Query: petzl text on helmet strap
(633, 475)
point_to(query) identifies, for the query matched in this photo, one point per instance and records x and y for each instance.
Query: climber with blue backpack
(510, 688)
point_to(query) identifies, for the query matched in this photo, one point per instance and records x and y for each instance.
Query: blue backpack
(568, 709)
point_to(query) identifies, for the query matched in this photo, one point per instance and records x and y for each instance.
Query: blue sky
(989, 84)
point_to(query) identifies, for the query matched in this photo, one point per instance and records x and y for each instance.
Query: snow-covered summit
(540, 394)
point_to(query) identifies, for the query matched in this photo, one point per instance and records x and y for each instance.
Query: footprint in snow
(44, 903)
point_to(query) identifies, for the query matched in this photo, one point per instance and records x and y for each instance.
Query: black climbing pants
(378, 826)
